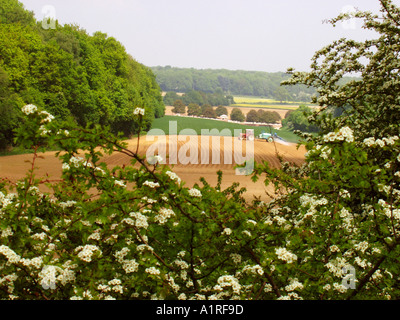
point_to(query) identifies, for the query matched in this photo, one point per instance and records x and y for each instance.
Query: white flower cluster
(334, 248)
(76, 161)
(140, 220)
(369, 142)
(114, 285)
(63, 132)
(129, 266)
(153, 271)
(48, 118)
(336, 266)
(173, 176)
(29, 109)
(154, 159)
(344, 194)
(6, 200)
(7, 232)
(257, 269)
(344, 134)
(120, 183)
(151, 184)
(163, 215)
(228, 281)
(311, 203)
(389, 211)
(172, 284)
(285, 255)
(51, 275)
(182, 264)
(340, 287)
(361, 246)
(293, 285)
(347, 219)
(86, 252)
(323, 151)
(237, 258)
(195, 193)
(11, 256)
(8, 280)
(43, 131)
(67, 204)
(138, 111)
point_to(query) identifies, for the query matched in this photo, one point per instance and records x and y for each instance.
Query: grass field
(198, 124)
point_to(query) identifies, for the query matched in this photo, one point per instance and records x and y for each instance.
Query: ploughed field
(190, 157)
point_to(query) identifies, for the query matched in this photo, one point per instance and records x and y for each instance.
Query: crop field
(49, 166)
(261, 102)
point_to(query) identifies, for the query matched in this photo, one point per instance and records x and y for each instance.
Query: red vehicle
(249, 135)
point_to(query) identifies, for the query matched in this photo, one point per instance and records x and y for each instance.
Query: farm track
(217, 150)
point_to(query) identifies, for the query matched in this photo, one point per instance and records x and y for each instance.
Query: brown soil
(49, 167)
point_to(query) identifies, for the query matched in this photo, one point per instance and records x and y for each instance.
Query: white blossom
(229, 281)
(285, 255)
(29, 109)
(11, 256)
(48, 118)
(163, 215)
(119, 183)
(86, 252)
(195, 193)
(344, 134)
(140, 220)
(151, 184)
(293, 285)
(173, 176)
(152, 270)
(139, 111)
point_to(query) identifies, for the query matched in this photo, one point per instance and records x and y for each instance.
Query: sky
(256, 35)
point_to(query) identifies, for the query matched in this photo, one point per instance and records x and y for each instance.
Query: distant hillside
(250, 83)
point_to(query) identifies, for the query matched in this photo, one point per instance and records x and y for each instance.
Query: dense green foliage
(199, 97)
(263, 116)
(297, 120)
(250, 83)
(71, 74)
(237, 115)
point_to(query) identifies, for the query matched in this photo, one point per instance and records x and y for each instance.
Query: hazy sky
(262, 35)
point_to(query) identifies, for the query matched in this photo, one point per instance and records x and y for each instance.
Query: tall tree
(237, 115)
(179, 107)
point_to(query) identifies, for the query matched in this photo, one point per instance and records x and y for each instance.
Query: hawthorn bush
(137, 232)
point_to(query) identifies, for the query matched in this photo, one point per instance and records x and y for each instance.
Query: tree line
(251, 83)
(199, 97)
(73, 75)
(208, 111)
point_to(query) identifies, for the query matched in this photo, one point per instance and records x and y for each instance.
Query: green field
(197, 125)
